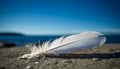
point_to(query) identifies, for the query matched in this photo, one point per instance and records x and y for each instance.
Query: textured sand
(103, 57)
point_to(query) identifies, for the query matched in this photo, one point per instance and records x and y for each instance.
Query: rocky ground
(103, 57)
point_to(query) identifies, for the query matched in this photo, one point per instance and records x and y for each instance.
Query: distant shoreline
(11, 34)
(19, 39)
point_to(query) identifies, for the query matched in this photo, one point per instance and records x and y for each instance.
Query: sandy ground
(103, 57)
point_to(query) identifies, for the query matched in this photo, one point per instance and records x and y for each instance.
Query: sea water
(23, 40)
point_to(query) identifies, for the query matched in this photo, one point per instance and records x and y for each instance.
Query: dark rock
(6, 44)
(2, 67)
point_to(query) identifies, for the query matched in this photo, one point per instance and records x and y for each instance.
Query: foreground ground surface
(103, 57)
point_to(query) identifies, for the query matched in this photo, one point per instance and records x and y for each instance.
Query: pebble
(67, 61)
(96, 59)
(28, 67)
(53, 62)
(36, 62)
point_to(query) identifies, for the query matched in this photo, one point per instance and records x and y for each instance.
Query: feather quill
(73, 43)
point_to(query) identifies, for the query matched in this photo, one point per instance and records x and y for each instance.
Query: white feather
(78, 42)
(73, 43)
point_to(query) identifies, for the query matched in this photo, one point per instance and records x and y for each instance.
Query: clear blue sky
(59, 16)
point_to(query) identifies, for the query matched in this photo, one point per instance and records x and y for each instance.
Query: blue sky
(59, 16)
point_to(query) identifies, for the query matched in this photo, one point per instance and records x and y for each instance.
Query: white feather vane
(73, 43)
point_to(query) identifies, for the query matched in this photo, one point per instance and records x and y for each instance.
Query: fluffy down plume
(73, 43)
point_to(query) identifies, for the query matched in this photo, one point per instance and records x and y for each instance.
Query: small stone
(28, 67)
(96, 59)
(36, 62)
(55, 62)
(67, 61)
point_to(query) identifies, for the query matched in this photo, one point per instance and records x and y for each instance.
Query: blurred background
(30, 21)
